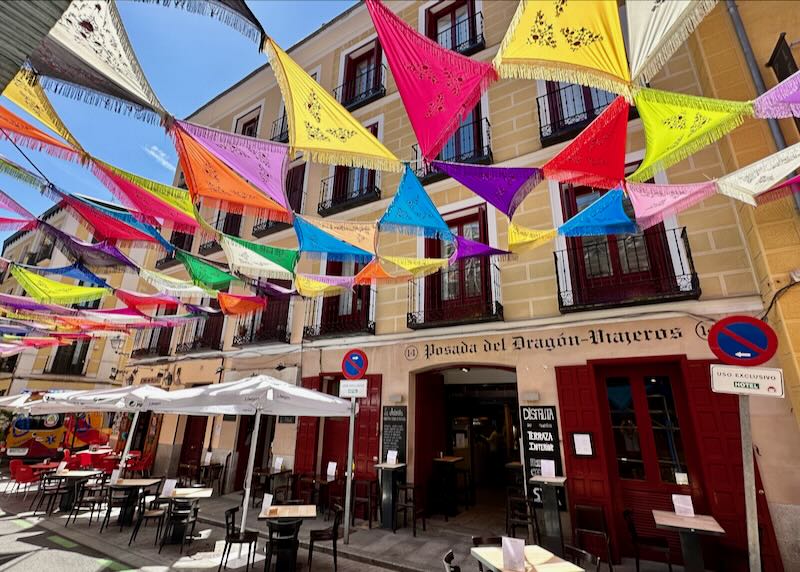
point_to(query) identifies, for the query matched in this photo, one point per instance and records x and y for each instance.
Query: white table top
(76, 474)
(537, 559)
(699, 523)
(191, 493)
(448, 459)
(548, 480)
(289, 511)
(390, 466)
(143, 483)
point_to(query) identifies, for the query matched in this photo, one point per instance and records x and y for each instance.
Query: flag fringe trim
(645, 222)
(218, 12)
(33, 144)
(564, 72)
(777, 194)
(673, 40)
(414, 230)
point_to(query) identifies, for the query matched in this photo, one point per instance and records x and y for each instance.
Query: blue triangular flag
(604, 216)
(412, 211)
(316, 242)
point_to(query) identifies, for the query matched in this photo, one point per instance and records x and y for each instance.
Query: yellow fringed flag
(319, 125)
(521, 239)
(566, 40)
(310, 288)
(49, 291)
(25, 91)
(418, 266)
(677, 125)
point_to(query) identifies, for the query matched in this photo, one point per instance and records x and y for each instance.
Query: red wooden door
(305, 451)
(430, 430)
(193, 437)
(367, 437)
(587, 477)
(716, 419)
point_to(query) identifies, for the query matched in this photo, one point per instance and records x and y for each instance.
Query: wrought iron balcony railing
(471, 143)
(364, 88)
(628, 270)
(336, 317)
(457, 295)
(465, 36)
(167, 261)
(201, 335)
(152, 343)
(264, 227)
(280, 130)
(209, 247)
(563, 113)
(270, 325)
(342, 192)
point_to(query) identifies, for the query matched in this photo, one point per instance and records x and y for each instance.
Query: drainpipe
(755, 74)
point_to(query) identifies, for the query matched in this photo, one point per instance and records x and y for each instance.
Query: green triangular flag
(203, 273)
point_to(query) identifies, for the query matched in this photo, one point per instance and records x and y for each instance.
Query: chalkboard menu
(395, 427)
(540, 438)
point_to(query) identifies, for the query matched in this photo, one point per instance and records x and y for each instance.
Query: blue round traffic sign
(742, 340)
(354, 364)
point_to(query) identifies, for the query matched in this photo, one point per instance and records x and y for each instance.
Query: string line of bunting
(87, 55)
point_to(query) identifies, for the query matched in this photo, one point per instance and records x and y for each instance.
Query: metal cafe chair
(116, 497)
(326, 534)
(283, 538)
(235, 536)
(87, 498)
(447, 560)
(582, 558)
(50, 489)
(655, 543)
(409, 500)
(591, 520)
(182, 515)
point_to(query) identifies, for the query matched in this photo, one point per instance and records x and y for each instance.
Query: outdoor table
(269, 475)
(134, 486)
(550, 534)
(444, 468)
(689, 529)
(287, 559)
(44, 466)
(390, 476)
(205, 470)
(187, 496)
(537, 559)
(190, 493)
(72, 478)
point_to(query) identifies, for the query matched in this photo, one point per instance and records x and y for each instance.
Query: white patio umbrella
(15, 403)
(256, 395)
(128, 398)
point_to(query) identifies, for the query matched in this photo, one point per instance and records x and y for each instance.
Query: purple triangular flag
(783, 100)
(466, 248)
(502, 187)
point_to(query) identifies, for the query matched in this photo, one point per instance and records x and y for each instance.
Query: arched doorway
(466, 439)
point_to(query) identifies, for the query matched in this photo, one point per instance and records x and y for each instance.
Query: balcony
(346, 314)
(155, 342)
(167, 262)
(209, 247)
(280, 130)
(340, 192)
(364, 88)
(465, 37)
(471, 143)
(564, 112)
(455, 296)
(202, 335)
(270, 325)
(69, 360)
(8, 364)
(614, 271)
(264, 227)
(44, 253)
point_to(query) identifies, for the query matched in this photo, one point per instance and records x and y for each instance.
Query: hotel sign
(762, 381)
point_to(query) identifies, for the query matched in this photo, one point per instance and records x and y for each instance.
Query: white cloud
(159, 156)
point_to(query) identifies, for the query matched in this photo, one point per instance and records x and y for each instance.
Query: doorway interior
(470, 412)
(263, 445)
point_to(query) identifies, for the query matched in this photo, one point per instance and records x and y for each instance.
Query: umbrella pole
(349, 490)
(124, 459)
(249, 475)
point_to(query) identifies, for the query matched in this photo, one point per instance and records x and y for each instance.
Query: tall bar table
(391, 474)
(550, 534)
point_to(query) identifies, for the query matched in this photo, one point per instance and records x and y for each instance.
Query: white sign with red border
(761, 381)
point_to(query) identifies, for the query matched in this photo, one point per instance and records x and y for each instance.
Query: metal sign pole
(349, 490)
(751, 510)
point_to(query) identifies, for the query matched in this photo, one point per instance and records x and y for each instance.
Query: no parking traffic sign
(354, 364)
(742, 340)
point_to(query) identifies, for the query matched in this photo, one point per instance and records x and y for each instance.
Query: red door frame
(713, 426)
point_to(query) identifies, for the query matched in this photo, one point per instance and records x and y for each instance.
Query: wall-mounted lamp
(465, 369)
(530, 396)
(396, 398)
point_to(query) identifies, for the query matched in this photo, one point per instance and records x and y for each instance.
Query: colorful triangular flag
(747, 182)
(606, 215)
(596, 157)
(318, 242)
(319, 125)
(412, 211)
(652, 202)
(521, 239)
(49, 291)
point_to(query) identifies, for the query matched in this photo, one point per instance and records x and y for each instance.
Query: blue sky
(188, 59)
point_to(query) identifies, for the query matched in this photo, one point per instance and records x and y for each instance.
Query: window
(783, 63)
(456, 26)
(228, 222)
(567, 107)
(348, 312)
(294, 194)
(644, 424)
(363, 77)
(353, 182)
(182, 240)
(247, 125)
